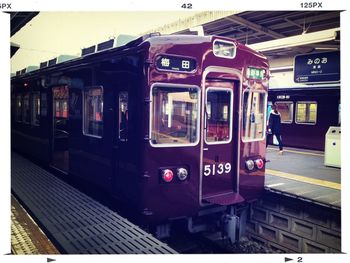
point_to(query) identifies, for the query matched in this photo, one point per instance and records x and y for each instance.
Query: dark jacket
(275, 122)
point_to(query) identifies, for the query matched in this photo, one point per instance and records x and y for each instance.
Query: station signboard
(317, 67)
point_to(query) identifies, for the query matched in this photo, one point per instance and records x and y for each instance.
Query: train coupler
(234, 224)
(230, 227)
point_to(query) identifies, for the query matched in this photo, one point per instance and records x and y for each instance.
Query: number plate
(217, 169)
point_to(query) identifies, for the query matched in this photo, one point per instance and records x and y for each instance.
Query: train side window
(174, 115)
(254, 115)
(218, 112)
(26, 108)
(60, 96)
(123, 116)
(93, 112)
(286, 109)
(306, 112)
(36, 108)
(18, 108)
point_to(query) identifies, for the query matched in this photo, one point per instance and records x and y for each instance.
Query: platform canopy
(19, 20)
(263, 27)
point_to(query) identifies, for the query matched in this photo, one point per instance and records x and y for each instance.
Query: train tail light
(249, 165)
(259, 163)
(167, 175)
(182, 174)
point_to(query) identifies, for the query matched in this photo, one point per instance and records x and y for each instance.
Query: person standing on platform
(274, 127)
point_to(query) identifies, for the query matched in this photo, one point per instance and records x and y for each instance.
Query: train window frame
(35, 121)
(18, 111)
(230, 115)
(86, 89)
(181, 86)
(120, 116)
(59, 100)
(24, 109)
(263, 121)
(296, 112)
(291, 114)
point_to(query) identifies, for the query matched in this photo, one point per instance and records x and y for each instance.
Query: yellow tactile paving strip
(314, 153)
(304, 179)
(26, 236)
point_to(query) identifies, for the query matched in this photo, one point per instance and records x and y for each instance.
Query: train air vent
(43, 64)
(124, 39)
(88, 50)
(52, 62)
(31, 68)
(18, 72)
(63, 58)
(23, 71)
(105, 45)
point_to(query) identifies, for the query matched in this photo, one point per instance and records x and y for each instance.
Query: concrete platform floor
(302, 173)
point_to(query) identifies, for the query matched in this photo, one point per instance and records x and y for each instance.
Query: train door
(60, 158)
(124, 152)
(219, 176)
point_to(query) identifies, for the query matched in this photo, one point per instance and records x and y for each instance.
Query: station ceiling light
(300, 40)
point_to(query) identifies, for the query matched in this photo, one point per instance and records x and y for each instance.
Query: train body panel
(168, 141)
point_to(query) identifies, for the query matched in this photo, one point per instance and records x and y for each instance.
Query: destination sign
(174, 63)
(317, 67)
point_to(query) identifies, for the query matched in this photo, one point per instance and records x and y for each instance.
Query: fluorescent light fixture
(285, 68)
(295, 41)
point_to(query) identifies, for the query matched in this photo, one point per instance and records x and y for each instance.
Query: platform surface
(302, 173)
(74, 222)
(26, 236)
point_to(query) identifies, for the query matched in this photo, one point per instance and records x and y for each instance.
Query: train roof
(64, 61)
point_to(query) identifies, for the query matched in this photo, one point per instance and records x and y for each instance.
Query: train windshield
(175, 116)
(254, 115)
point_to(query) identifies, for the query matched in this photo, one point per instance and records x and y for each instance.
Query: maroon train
(172, 125)
(307, 113)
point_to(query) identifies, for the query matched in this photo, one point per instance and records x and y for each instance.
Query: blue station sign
(317, 67)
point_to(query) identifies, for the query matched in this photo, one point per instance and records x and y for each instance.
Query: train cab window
(218, 115)
(306, 112)
(174, 116)
(123, 116)
(26, 108)
(254, 115)
(286, 109)
(36, 108)
(18, 108)
(93, 112)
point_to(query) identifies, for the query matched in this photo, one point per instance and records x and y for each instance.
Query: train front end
(204, 128)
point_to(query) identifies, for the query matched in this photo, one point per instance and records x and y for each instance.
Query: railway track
(212, 243)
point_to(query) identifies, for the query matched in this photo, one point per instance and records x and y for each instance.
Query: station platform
(302, 173)
(26, 236)
(74, 222)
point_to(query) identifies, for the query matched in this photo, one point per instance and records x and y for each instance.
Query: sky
(51, 34)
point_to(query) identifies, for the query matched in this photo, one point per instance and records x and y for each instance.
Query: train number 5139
(212, 169)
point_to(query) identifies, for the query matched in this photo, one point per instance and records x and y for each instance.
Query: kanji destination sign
(175, 63)
(317, 67)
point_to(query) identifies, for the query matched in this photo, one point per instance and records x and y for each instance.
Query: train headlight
(249, 164)
(259, 163)
(167, 175)
(182, 174)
